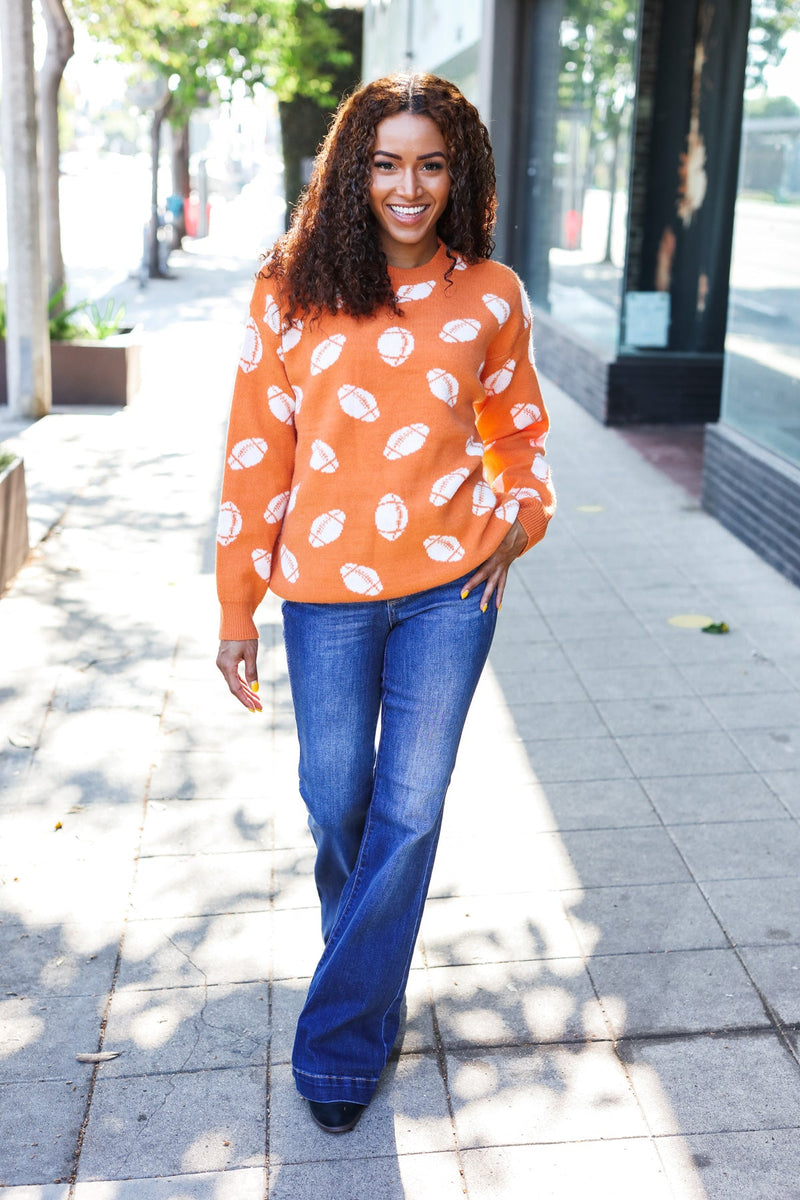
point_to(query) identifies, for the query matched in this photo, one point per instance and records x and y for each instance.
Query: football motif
(498, 307)
(298, 398)
(262, 561)
(326, 528)
(276, 508)
(395, 345)
(507, 511)
(524, 415)
(247, 453)
(414, 291)
(323, 457)
(229, 524)
(460, 265)
(443, 385)
(498, 381)
(446, 487)
(540, 469)
(526, 305)
(474, 447)
(280, 405)
(291, 336)
(531, 354)
(252, 349)
(358, 402)
(293, 497)
(361, 580)
(289, 566)
(463, 329)
(525, 493)
(272, 314)
(326, 353)
(405, 441)
(441, 547)
(483, 499)
(391, 516)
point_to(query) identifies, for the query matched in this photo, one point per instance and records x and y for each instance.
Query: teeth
(408, 210)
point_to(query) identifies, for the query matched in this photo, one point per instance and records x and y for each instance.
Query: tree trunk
(154, 266)
(181, 184)
(60, 47)
(27, 344)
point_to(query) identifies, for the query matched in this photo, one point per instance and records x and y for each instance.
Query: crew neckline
(437, 265)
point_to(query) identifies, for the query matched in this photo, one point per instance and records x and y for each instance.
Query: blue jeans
(375, 816)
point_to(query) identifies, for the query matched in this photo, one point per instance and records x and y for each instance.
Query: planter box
(13, 521)
(90, 372)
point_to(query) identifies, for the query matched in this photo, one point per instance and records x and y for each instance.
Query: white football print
(443, 385)
(447, 485)
(531, 354)
(463, 329)
(293, 496)
(441, 547)
(291, 336)
(280, 405)
(525, 493)
(358, 402)
(289, 566)
(526, 305)
(415, 291)
(474, 447)
(251, 349)
(276, 508)
(229, 524)
(361, 580)
(391, 516)
(326, 353)
(498, 381)
(298, 398)
(323, 458)
(326, 527)
(483, 499)
(507, 511)
(460, 265)
(524, 415)
(262, 561)
(498, 307)
(247, 453)
(540, 468)
(272, 314)
(405, 441)
(395, 345)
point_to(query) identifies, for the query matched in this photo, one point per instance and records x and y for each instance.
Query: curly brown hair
(331, 257)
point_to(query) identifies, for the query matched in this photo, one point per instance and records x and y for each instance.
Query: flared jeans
(411, 664)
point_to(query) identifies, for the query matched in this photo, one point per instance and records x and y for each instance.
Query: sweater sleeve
(513, 423)
(259, 464)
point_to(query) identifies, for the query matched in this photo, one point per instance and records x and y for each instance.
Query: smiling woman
(410, 187)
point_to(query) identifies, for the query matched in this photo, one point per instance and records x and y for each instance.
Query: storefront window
(761, 388)
(591, 166)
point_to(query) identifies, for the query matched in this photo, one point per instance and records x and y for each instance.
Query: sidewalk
(605, 998)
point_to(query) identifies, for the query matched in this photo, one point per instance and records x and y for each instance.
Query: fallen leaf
(58, 825)
(20, 739)
(716, 627)
(100, 1057)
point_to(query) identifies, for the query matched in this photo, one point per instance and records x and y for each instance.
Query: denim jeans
(375, 816)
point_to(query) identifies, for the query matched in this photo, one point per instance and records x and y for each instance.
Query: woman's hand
(494, 572)
(228, 659)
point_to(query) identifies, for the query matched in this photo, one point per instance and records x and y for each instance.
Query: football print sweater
(379, 456)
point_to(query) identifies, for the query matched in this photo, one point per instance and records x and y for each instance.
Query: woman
(385, 467)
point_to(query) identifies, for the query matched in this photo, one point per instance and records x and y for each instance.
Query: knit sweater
(379, 456)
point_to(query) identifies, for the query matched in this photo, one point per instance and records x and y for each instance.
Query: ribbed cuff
(534, 521)
(237, 624)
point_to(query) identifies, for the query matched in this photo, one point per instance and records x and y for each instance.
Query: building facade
(648, 156)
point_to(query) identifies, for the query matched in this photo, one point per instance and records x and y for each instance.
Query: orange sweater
(375, 457)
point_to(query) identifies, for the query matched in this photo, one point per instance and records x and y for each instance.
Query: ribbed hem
(237, 624)
(534, 521)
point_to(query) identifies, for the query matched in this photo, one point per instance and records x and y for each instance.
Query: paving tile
(541, 1094)
(590, 623)
(642, 715)
(682, 754)
(592, 653)
(407, 1115)
(762, 711)
(549, 657)
(188, 1028)
(648, 917)
(749, 676)
(608, 857)
(676, 992)
(42, 1035)
(293, 883)
(246, 1184)
(523, 685)
(207, 775)
(776, 970)
(510, 1004)
(558, 719)
(775, 749)
(734, 1083)
(57, 960)
(786, 786)
(54, 1191)
(196, 884)
(757, 912)
(598, 804)
(486, 929)
(206, 826)
(733, 1166)
(740, 849)
(621, 1169)
(296, 942)
(710, 798)
(188, 951)
(576, 759)
(169, 1124)
(390, 1177)
(39, 1126)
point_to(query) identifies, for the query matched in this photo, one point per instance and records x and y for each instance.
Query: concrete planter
(13, 521)
(106, 373)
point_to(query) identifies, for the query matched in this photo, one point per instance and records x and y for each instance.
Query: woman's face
(409, 188)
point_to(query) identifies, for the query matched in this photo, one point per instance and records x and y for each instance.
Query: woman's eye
(384, 166)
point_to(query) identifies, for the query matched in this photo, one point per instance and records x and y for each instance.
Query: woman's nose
(408, 183)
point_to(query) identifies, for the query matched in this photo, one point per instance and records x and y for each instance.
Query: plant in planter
(13, 516)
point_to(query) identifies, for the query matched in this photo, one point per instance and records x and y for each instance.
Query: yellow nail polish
(484, 607)
(464, 594)
(254, 685)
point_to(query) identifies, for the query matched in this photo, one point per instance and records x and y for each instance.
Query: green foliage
(770, 21)
(92, 324)
(598, 39)
(772, 106)
(7, 457)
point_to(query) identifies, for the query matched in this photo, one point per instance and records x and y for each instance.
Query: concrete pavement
(606, 993)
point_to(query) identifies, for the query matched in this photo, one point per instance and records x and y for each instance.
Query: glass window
(761, 388)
